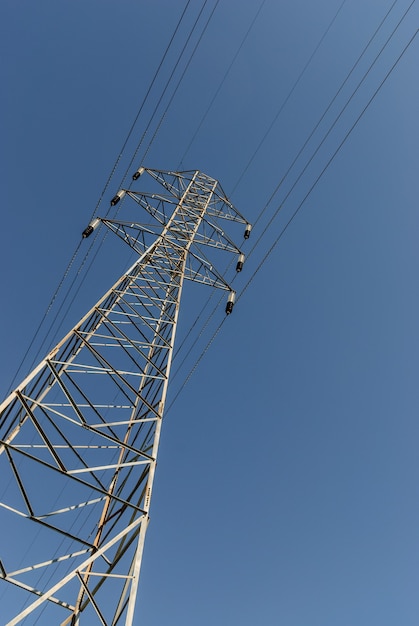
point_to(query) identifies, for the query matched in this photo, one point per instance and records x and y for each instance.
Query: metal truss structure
(79, 436)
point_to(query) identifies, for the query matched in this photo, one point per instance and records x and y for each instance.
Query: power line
(182, 76)
(75, 254)
(331, 159)
(217, 91)
(131, 130)
(371, 39)
(294, 214)
(166, 87)
(281, 108)
(331, 127)
(318, 147)
(263, 139)
(131, 162)
(148, 148)
(252, 157)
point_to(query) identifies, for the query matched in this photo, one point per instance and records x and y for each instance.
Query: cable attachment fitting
(118, 197)
(138, 173)
(91, 227)
(247, 231)
(230, 302)
(240, 262)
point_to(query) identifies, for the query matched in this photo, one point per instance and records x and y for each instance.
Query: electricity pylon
(79, 436)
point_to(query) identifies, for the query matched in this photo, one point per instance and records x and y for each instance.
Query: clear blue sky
(295, 501)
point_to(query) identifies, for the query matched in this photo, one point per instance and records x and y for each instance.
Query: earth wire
(263, 139)
(288, 96)
(148, 148)
(124, 177)
(296, 211)
(72, 260)
(310, 160)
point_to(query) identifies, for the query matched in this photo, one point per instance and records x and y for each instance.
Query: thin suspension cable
(325, 168)
(206, 304)
(194, 367)
(263, 139)
(281, 108)
(338, 117)
(73, 258)
(148, 148)
(202, 120)
(296, 211)
(120, 185)
(131, 130)
(196, 339)
(163, 94)
(222, 82)
(355, 65)
(306, 166)
(132, 160)
(332, 126)
(38, 329)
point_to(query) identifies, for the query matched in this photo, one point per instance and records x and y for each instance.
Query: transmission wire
(87, 254)
(221, 83)
(141, 107)
(308, 163)
(324, 113)
(263, 139)
(296, 211)
(327, 133)
(348, 133)
(183, 74)
(288, 97)
(72, 260)
(130, 165)
(124, 177)
(54, 297)
(164, 91)
(206, 304)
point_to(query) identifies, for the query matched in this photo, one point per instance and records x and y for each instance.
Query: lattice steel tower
(79, 436)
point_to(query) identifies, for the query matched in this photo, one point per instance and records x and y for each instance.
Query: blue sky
(294, 499)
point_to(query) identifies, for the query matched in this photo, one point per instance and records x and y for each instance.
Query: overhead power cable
(75, 254)
(202, 120)
(310, 160)
(325, 168)
(177, 86)
(181, 78)
(325, 112)
(331, 127)
(281, 108)
(296, 211)
(217, 91)
(134, 123)
(38, 329)
(132, 159)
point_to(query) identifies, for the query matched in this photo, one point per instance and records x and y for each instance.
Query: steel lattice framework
(79, 436)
